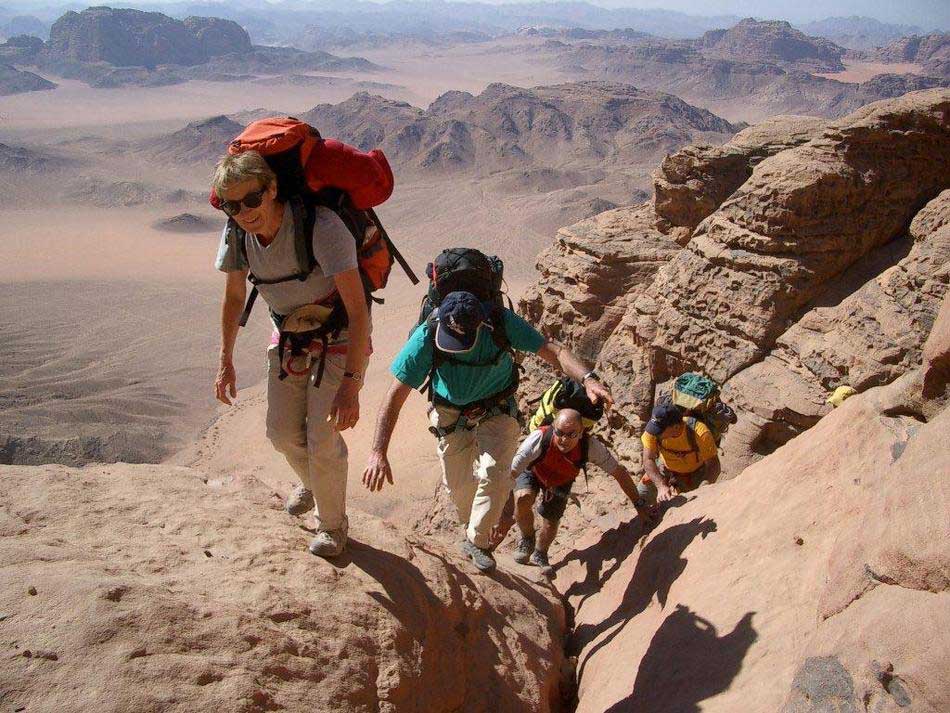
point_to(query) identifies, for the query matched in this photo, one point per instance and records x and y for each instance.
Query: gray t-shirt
(530, 449)
(333, 247)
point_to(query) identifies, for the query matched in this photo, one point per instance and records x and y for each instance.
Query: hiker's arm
(235, 291)
(713, 469)
(663, 490)
(378, 470)
(626, 484)
(346, 404)
(563, 359)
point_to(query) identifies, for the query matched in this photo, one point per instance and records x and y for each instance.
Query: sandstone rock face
(809, 273)
(692, 183)
(937, 355)
(804, 216)
(126, 37)
(773, 41)
(868, 338)
(146, 589)
(817, 580)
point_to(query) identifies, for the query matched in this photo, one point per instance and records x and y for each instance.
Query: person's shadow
(687, 662)
(659, 565)
(615, 544)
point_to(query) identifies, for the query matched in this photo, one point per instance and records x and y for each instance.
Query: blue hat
(460, 317)
(663, 416)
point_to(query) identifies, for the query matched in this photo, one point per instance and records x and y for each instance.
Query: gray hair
(236, 169)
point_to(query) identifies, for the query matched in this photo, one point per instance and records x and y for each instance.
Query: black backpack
(565, 393)
(468, 270)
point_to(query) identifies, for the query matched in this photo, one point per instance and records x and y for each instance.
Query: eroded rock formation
(804, 268)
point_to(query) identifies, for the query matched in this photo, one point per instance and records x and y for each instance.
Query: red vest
(554, 468)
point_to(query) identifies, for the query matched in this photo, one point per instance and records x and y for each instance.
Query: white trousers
(476, 468)
(297, 426)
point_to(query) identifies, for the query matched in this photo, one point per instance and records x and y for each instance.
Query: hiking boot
(540, 559)
(524, 549)
(328, 543)
(300, 501)
(481, 558)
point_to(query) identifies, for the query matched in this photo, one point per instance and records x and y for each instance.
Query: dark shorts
(553, 501)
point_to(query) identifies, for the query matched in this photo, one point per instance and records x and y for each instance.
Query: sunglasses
(566, 434)
(251, 200)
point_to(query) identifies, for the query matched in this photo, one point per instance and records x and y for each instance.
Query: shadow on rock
(687, 662)
(659, 565)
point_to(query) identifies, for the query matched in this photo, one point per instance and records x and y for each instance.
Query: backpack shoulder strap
(499, 334)
(547, 435)
(691, 433)
(304, 216)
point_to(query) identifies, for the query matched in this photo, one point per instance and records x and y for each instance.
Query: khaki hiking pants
(476, 467)
(297, 426)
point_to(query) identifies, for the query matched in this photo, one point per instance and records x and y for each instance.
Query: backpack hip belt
(476, 412)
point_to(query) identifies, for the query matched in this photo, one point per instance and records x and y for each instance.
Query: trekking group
(302, 230)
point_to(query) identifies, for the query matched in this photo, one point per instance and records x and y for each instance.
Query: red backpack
(313, 171)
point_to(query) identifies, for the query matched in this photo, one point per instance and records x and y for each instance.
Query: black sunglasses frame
(251, 200)
(570, 436)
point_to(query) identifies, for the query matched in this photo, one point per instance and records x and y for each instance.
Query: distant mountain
(132, 38)
(753, 71)
(15, 81)
(773, 42)
(931, 51)
(283, 22)
(109, 48)
(858, 33)
(24, 25)
(205, 140)
(562, 135)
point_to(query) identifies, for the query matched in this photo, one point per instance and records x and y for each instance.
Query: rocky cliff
(815, 256)
(16, 81)
(801, 255)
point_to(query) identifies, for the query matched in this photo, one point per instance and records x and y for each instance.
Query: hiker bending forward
(679, 452)
(472, 407)
(547, 463)
(304, 419)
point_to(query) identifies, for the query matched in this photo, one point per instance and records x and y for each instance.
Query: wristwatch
(590, 375)
(355, 375)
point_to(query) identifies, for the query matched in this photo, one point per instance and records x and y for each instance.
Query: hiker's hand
(226, 383)
(345, 410)
(665, 493)
(377, 472)
(598, 393)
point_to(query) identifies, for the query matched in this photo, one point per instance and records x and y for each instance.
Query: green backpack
(700, 395)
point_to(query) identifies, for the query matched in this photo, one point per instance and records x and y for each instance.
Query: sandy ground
(863, 71)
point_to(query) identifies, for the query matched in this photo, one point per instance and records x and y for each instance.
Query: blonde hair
(235, 169)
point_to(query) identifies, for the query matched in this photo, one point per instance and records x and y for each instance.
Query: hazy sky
(928, 14)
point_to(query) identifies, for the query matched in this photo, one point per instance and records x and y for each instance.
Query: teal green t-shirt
(457, 383)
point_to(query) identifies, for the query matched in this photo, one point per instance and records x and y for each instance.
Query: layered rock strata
(801, 271)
